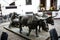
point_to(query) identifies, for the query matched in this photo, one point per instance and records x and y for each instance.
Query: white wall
(58, 16)
(5, 3)
(47, 4)
(22, 7)
(27, 8)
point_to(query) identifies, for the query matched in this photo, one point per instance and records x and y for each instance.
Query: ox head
(50, 19)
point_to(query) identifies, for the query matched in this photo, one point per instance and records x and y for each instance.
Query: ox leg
(39, 28)
(44, 27)
(10, 25)
(20, 29)
(36, 32)
(29, 32)
(47, 28)
(20, 26)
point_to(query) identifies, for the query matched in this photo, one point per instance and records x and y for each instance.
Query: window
(28, 2)
(0, 7)
(42, 5)
(29, 13)
(53, 5)
(13, 3)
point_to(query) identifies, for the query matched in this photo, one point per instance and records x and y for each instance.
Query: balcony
(47, 10)
(11, 7)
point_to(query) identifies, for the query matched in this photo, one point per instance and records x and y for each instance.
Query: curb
(21, 35)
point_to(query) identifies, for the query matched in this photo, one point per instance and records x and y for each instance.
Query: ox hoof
(46, 30)
(27, 34)
(37, 36)
(9, 27)
(20, 32)
(39, 30)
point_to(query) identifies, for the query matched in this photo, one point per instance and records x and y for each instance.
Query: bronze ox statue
(44, 23)
(32, 23)
(13, 23)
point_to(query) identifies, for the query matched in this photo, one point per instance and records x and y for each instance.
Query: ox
(44, 23)
(13, 23)
(30, 21)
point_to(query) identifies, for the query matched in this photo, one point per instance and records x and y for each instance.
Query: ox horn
(37, 15)
(55, 15)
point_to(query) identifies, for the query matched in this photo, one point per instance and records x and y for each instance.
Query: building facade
(30, 6)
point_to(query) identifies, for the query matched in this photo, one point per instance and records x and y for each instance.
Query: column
(47, 4)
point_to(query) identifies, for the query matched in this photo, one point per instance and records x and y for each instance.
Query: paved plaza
(42, 35)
